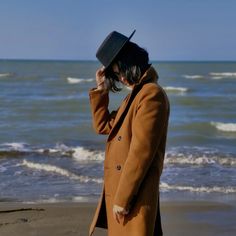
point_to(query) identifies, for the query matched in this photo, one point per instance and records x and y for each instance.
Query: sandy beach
(73, 219)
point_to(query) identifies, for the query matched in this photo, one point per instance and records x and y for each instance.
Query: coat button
(118, 167)
(119, 138)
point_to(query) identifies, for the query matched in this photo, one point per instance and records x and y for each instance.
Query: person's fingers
(100, 78)
(101, 71)
(120, 216)
(125, 212)
(98, 75)
(119, 213)
(115, 216)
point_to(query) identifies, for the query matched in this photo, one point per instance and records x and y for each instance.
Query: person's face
(119, 75)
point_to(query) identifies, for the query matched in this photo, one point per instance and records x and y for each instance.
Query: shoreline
(203, 218)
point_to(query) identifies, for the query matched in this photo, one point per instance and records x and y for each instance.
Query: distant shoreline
(96, 61)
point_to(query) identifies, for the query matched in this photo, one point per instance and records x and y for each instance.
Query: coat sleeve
(147, 130)
(102, 118)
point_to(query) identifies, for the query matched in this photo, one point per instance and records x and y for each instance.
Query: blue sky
(73, 29)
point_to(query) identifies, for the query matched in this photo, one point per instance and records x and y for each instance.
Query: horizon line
(94, 60)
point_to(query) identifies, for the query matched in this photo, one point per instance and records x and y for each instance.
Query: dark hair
(132, 62)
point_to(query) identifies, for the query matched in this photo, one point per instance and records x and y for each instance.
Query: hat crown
(111, 46)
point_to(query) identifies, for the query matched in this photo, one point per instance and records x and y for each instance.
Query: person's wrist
(102, 86)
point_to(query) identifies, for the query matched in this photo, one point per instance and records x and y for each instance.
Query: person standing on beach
(135, 147)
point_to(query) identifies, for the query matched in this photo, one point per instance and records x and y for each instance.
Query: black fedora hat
(111, 46)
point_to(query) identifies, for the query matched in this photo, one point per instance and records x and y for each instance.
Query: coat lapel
(119, 114)
(150, 75)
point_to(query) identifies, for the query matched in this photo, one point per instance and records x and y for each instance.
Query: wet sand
(73, 219)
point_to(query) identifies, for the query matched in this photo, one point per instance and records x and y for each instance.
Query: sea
(49, 151)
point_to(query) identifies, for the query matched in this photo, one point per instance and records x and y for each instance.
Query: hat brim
(102, 53)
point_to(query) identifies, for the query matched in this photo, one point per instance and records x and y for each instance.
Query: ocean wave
(83, 198)
(14, 146)
(223, 161)
(5, 75)
(2, 169)
(193, 76)
(58, 97)
(217, 77)
(49, 200)
(175, 89)
(14, 149)
(199, 157)
(215, 189)
(72, 80)
(78, 153)
(55, 199)
(81, 154)
(222, 75)
(60, 171)
(226, 127)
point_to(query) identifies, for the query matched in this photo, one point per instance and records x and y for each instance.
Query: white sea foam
(227, 127)
(72, 80)
(227, 161)
(49, 200)
(14, 146)
(55, 199)
(5, 75)
(175, 89)
(81, 153)
(193, 76)
(2, 169)
(189, 160)
(222, 75)
(82, 199)
(78, 153)
(59, 148)
(199, 156)
(217, 77)
(202, 160)
(60, 171)
(215, 189)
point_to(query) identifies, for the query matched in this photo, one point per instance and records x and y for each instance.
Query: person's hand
(101, 79)
(119, 213)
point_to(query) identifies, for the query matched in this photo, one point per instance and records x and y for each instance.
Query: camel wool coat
(134, 157)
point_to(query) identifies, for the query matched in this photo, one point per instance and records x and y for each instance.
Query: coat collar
(150, 76)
